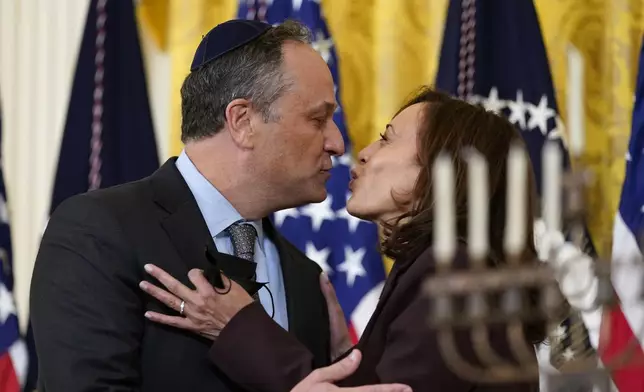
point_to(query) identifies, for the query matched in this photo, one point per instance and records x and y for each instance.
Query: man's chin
(313, 196)
(319, 197)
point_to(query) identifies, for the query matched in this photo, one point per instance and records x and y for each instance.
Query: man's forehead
(310, 78)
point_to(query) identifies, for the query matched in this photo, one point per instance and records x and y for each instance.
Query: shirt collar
(216, 210)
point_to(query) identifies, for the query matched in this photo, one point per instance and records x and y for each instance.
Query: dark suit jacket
(87, 308)
(397, 344)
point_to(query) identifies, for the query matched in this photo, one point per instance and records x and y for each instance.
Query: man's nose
(334, 143)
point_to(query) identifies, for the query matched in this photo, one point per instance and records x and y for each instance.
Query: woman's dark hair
(452, 126)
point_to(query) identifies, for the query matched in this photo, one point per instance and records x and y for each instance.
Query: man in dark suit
(257, 126)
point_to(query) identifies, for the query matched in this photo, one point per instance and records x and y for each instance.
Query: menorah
(476, 298)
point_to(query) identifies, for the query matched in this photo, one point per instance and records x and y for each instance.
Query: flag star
(323, 45)
(320, 256)
(517, 110)
(281, 215)
(352, 221)
(628, 156)
(559, 332)
(345, 159)
(539, 115)
(319, 212)
(568, 354)
(297, 4)
(492, 102)
(7, 307)
(352, 264)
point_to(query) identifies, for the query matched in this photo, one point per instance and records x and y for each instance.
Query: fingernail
(148, 315)
(353, 356)
(143, 285)
(147, 267)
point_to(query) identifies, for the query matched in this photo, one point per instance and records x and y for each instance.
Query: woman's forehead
(406, 122)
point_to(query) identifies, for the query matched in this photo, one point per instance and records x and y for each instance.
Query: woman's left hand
(204, 310)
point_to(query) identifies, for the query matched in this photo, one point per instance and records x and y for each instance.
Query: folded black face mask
(236, 269)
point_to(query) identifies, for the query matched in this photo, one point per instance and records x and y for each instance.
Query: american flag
(624, 326)
(493, 54)
(344, 246)
(13, 351)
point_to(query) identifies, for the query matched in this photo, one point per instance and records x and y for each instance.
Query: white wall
(39, 41)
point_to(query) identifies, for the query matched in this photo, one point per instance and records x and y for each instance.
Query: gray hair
(252, 72)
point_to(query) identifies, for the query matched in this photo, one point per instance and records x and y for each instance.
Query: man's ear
(238, 121)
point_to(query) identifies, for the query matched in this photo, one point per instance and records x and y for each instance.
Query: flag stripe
(8, 378)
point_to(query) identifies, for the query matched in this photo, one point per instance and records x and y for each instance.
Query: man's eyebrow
(326, 107)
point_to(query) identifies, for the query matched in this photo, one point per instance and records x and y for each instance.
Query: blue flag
(344, 246)
(13, 354)
(493, 54)
(109, 136)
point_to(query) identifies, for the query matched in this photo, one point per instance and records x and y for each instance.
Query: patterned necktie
(243, 238)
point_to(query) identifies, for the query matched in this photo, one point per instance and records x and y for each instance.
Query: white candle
(575, 102)
(478, 203)
(514, 240)
(551, 203)
(444, 210)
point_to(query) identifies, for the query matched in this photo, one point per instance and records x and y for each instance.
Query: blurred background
(381, 49)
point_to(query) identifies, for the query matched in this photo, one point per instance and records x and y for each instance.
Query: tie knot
(243, 238)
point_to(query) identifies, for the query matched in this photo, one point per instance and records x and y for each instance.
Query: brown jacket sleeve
(258, 354)
(402, 348)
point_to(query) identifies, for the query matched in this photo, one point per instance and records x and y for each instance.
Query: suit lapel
(184, 224)
(189, 235)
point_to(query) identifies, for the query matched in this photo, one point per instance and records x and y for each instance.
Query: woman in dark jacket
(392, 185)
